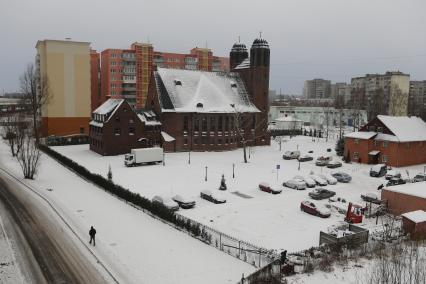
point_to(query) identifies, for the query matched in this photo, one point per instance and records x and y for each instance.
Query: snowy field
(271, 221)
(134, 246)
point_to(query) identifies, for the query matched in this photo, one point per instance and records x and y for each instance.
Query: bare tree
(28, 156)
(398, 101)
(242, 122)
(36, 91)
(14, 127)
(327, 111)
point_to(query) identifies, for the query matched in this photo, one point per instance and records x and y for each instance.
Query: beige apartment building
(66, 64)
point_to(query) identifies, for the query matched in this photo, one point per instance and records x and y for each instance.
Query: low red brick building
(393, 140)
(116, 128)
(414, 223)
(405, 197)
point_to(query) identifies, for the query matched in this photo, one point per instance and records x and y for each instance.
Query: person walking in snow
(92, 233)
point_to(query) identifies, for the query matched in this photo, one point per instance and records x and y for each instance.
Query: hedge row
(155, 208)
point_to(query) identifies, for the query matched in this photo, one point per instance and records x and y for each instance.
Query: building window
(131, 131)
(384, 158)
(371, 128)
(356, 155)
(185, 123)
(117, 119)
(385, 144)
(232, 123)
(195, 141)
(117, 131)
(219, 141)
(185, 141)
(131, 120)
(82, 130)
(212, 123)
(407, 145)
(379, 129)
(226, 123)
(196, 126)
(204, 124)
(375, 143)
(219, 124)
(356, 141)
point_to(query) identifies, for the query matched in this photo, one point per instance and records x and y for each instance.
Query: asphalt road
(46, 251)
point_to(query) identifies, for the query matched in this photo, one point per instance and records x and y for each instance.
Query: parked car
(166, 201)
(342, 177)
(395, 181)
(289, 155)
(310, 208)
(323, 161)
(392, 174)
(305, 158)
(319, 180)
(378, 170)
(334, 164)
(183, 201)
(321, 193)
(263, 186)
(419, 177)
(309, 181)
(329, 178)
(371, 197)
(295, 184)
(212, 197)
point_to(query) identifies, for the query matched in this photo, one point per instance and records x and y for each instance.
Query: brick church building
(212, 111)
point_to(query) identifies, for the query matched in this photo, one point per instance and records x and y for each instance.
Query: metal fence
(245, 251)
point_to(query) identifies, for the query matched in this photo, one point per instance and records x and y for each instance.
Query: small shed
(414, 223)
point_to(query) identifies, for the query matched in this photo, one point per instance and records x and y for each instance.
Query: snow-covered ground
(271, 221)
(136, 247)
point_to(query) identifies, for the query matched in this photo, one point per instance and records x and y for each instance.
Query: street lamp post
(189, 157)
(164, 160)
(233, 170)
(298, 167)
(206, 174)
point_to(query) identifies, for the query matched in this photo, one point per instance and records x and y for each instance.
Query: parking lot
(273, 221)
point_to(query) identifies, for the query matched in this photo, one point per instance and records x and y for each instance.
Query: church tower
(237, 55)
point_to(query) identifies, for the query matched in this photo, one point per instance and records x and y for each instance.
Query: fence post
(220, 241)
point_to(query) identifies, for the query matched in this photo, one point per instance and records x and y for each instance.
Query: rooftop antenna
(260, 34)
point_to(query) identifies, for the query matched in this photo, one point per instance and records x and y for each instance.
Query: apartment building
(66, 65)
(381, 93)
(417, 99)
(317, 89)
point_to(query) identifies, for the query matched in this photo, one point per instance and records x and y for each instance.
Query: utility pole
(206, 174)
(233, 170)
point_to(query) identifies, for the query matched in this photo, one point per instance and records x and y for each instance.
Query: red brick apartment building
(393, 140)
(116, 128)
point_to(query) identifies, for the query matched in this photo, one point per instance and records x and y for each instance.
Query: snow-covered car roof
(377, 167)
(181, 198)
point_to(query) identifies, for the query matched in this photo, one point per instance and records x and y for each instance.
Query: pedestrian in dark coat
(92, 234)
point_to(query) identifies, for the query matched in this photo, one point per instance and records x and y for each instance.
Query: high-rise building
(66, 65)
(381, 93)
(417, 99)
(125, 73)
(95, 80)
(317, 89)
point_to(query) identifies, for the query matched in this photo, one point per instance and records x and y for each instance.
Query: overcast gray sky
(332, 39)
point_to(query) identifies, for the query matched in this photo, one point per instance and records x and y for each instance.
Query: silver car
(295, 184)
(342, 177)
(309, 182)
(319, 180)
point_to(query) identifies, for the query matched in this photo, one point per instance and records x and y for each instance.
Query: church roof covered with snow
(203, 92)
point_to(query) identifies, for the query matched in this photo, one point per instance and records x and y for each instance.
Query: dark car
(310, 208)
(378, 170)
(305, 158)
(334, 164)
(419, 177)
(342, 177)
(184, 202)
(371, 197)
(209, 196)
(321, 193)
(263, 186)
(395, 181)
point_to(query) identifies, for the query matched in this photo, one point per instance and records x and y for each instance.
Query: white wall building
(317, 116)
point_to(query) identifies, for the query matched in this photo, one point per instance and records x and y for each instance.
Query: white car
(319, 180)
(184, 201)
(329, 178)
(392, 174)
(166, 201)
(295, 183)
(309, 182)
